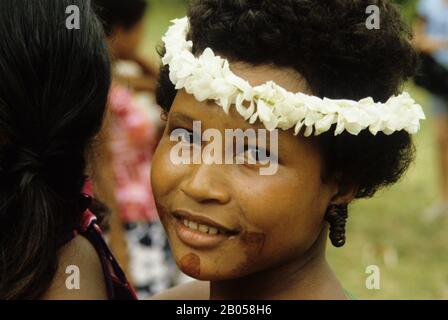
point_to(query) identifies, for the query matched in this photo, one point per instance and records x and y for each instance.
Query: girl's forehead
(187, 109)
(256, 75)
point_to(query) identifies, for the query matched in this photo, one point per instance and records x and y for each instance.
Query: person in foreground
(54, 82)
(312, 74)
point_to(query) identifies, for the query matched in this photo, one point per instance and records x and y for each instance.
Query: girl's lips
(197, 239)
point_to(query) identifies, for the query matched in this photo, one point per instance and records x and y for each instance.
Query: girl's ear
(346, 190)
(164, 116)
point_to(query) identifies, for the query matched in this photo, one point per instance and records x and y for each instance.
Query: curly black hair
(327, 42)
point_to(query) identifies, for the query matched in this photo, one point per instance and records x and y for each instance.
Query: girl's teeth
(193, 225)
(213, 230)
(203, 228)
(200, 227)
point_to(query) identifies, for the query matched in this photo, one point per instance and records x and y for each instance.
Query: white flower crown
(209, 78)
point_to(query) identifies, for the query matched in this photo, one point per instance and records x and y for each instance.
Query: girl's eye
(188, 137)
(255, 155)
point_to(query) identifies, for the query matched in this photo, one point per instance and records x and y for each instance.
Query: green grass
(386, 230)
(391, 222)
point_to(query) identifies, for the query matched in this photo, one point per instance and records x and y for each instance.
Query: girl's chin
(197, 268)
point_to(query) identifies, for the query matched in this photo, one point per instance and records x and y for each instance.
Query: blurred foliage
(157, 21)
(408, 9)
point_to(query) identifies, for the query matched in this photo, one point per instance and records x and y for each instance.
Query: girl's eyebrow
(182, 117)
(187, 119)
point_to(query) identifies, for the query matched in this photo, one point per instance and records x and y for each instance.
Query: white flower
(246, 113)
(181, 67)
(242, 85)
(266, 115)
(324, 124)
(209, 78)
(211, 64)
(199, 86)
(298, 127)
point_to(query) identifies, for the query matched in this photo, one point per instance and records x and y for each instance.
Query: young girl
(278, 65)
(54, 83)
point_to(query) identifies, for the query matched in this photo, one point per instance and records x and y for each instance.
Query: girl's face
(263, 221)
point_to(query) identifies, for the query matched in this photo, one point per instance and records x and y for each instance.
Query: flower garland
(209, 78)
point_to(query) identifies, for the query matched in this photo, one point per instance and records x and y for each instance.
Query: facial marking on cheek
(253, 244)
(253, 241)
(191, 265)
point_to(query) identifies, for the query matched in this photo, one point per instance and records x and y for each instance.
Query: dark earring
(336, 216)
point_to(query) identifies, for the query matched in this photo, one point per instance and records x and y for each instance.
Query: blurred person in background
(132, 132)
(431, 39)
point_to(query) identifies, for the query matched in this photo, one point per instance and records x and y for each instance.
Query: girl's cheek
(159, 169)
(166, 175)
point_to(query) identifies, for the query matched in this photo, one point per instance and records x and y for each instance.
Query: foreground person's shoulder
(195, 290)
(80, 273)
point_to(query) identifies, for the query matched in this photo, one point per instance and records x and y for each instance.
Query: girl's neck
(308, 277)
